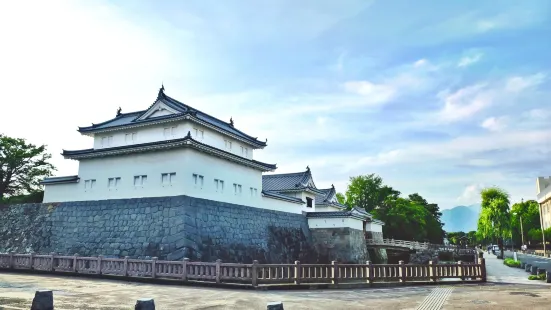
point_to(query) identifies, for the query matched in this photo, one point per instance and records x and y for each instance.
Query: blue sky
(438, 97)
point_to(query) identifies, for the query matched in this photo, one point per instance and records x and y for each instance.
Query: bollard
(278, 305)
(527, 267)
(522, 265)
(548, 276)
(541, 271)
(43, 300)
(145, 304)
(534, 270)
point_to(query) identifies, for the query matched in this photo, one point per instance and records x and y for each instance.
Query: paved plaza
(506, 289)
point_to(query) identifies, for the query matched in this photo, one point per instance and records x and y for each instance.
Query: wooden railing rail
(254, 274)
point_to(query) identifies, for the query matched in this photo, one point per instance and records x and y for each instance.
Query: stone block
(541, 271)
(145, 304)
(43, 300)
(522, 265)
(278, 305)
(548, 276)
(534, 270)
(527, 267)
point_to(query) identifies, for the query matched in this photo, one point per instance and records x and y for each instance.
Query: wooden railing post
(482, 262)
(75, 262)
(254, 272)
(31, 256)
(52, 261)
(154, 267)
(12, 261)
(432, 271)
(370, 275)
(335, 272)
(125, 271)
(184, 271)
(98, 270)
(218, 271)
(460, 270)
(402, 271)
(298, 274)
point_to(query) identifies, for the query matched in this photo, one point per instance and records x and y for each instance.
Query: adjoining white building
(543, 190)
(172, 149)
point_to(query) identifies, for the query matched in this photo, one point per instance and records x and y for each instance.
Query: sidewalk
(499, 273)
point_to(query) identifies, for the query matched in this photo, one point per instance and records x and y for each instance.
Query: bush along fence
(254, 274)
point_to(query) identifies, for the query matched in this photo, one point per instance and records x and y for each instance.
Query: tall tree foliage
(495, 220)
(529, 212)
(411, 218)
(22, 166)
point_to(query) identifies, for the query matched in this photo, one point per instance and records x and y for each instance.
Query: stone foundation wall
(165, 227)
(345, 245)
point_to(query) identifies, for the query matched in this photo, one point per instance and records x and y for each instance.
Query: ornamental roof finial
(333, 186)
(161, 91)
(307, 168)
(119, 111)
(231, 121)
(188, 134)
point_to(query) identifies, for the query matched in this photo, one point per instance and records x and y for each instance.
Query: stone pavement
(17, 291)
(500, 273)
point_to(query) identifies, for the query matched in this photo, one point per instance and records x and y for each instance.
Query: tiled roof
(127, 119)
(288, 181)
(282, 197)
(348, 213)
(58, 180)
(174, 143)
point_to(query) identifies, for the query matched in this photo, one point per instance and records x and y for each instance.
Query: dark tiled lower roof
(58, 180)
(282, 197)
(174, 143)
(288, 181)
(128, 119)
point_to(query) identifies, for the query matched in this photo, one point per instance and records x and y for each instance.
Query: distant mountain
(461, 218)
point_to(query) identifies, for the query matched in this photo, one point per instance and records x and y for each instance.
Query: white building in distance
(172, 149)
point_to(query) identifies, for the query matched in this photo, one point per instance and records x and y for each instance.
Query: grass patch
(538, 277)
(511, 262)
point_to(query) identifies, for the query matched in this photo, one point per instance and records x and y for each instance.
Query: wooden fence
(253, 274)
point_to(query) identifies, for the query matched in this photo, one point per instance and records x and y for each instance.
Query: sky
(440, 98)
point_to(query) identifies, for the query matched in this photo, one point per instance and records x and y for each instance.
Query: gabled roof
(289, 181)
(125, 120)
(325, 197)
(187, 141)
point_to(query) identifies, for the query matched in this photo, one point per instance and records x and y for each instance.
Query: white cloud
(520, 83)
(466, 102)
(420, 63)
(471, 194)
(373, 93)
(469, 60)
(494, 123)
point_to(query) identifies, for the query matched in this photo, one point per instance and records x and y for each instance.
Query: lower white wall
(335, 223)
(62, 192)
(373, 227)
(184, 162)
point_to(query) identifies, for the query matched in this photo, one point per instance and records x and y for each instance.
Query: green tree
(454, 237)
(433, 225)
(530, 214)
(22, 166)
(495, 220)
(404, 219)
(341, 198)
(368, 192)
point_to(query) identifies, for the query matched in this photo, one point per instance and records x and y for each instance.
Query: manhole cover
(525, 294)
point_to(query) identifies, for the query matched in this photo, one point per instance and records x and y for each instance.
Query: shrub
(538, 277)
(511, 262)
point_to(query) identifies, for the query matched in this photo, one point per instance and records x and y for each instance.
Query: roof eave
(184, 142)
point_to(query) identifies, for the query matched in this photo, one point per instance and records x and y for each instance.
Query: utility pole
(542, 230)
(521, 231)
